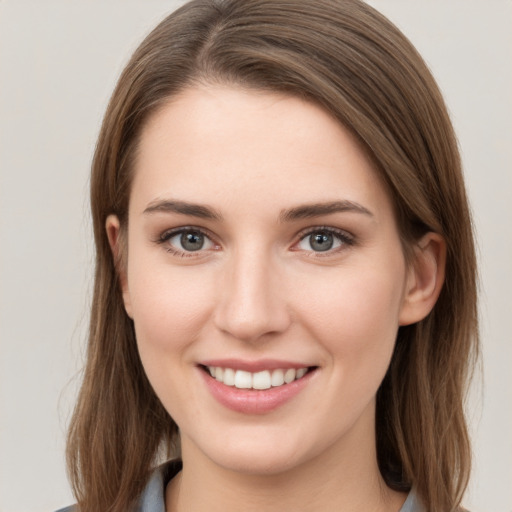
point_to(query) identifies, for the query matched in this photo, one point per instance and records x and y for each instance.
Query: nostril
(248, 308)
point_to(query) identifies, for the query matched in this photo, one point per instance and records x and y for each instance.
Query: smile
(255, 387)
(261, 380)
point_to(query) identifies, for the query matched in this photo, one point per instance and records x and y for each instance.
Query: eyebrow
(318, 209)
(306, 211)
(195, 210)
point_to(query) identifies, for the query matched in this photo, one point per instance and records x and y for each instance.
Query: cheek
(170, 306)
(170, 309)
(355, 316)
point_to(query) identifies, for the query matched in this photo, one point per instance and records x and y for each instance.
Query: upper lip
(254, 366)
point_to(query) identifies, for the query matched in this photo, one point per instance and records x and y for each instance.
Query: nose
(252, 304)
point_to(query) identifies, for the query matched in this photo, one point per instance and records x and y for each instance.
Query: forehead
(223, 144)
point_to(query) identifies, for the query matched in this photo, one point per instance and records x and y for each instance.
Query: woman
(285, 290)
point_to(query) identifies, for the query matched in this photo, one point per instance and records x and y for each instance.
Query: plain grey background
(59, 61)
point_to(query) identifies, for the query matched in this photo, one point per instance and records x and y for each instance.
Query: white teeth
(243, 380)
(277, 378)
(229, 377)
(290, 375)
(260, 380)
(301, 372)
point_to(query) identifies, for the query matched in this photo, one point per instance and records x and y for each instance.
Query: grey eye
(321, 241)
(192, 241)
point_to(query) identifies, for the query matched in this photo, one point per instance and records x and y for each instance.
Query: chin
(256, 463)
(258, 453)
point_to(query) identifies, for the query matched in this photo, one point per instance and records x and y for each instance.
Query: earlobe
(117, 246)
(425, 279)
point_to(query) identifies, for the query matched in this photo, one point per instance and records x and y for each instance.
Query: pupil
(192, 241)
(321, 241)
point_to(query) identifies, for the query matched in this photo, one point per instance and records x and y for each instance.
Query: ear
(118, 248)
(425, 279)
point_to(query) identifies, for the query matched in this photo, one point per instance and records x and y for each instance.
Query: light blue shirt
(153, 497)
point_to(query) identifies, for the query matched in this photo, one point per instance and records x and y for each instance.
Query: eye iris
(192, 241)
(321, 241)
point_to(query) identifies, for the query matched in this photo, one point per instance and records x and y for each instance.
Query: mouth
(257, 381)
(255, 387)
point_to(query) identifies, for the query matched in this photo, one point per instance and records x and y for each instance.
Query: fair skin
(261, 240)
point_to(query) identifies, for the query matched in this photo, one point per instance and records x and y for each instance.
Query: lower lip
(249, 401)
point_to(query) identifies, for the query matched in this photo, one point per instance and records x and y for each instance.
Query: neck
(343, 478)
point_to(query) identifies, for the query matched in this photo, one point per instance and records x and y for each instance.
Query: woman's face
(262, 249)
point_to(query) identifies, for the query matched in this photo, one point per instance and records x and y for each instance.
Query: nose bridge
(251, 303)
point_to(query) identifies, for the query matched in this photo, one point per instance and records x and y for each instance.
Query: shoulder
(413, 503)
(153, 496)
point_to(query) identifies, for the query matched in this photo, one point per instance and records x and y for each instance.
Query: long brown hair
(349, 59)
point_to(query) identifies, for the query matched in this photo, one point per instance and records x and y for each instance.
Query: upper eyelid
(169, 233)
(166, 235)
(315, 229)
(346, 238)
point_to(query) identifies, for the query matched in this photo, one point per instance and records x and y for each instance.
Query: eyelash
(168, 235)
(345, 238)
